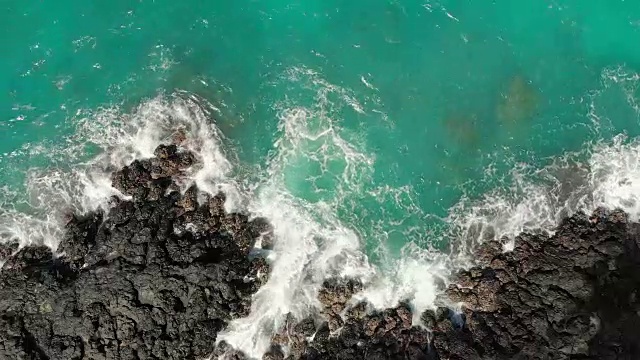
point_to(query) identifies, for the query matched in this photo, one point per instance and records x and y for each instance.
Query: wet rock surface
(156, 278)
(573, 295)
(163, 272)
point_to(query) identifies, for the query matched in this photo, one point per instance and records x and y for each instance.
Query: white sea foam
(311, 244)
(306, 252)
(605, 174)
(416, 278)
(615, 176)
(121, 137)
(312, 241)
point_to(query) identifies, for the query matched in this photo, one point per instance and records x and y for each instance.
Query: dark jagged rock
(573, 295)
(161, 274)
(335, 294)
(226, 352)
(274, 353)
(149, 179)
(156, 278)
(6, 250)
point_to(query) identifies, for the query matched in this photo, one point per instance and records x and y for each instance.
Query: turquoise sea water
(397, 116)
(444, 88)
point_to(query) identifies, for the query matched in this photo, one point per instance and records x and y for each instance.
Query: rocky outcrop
(569, 296)
(160, 274)
(157, 277)
(573, 295)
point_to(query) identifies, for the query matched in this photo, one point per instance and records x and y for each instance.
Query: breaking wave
(304, 187)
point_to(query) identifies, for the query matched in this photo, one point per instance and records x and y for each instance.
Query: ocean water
(383, 140)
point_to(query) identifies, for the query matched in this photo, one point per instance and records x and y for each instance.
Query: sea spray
(615, 176)
(312, 242)
(121, 137)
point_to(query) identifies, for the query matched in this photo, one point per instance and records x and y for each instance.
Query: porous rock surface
(162, 273)
(573, 295)
(156, 278)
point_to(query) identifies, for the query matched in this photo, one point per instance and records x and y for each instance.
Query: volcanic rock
(156, 277)
(573, 295)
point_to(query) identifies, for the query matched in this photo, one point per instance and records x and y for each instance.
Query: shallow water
(383, 141)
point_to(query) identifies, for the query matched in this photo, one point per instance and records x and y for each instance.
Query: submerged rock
(156, 278)
(517, 102)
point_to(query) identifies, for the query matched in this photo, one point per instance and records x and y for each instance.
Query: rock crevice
(573, 295)
(157, 277)
(163, 271)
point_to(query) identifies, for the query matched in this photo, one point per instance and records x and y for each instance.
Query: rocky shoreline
(573, 295)
(163, 272)
(157, 278)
